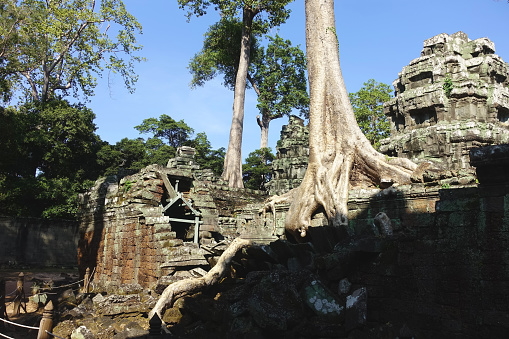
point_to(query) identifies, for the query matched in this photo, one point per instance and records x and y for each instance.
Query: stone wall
(441, 272)
(445, 273)
(127, 234)
(38, 242)
(452, 98)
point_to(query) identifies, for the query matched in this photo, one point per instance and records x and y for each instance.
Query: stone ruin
(417, 260)
(452, 98)
(291, 161)
(161, 218)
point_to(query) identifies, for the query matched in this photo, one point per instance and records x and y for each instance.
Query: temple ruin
(425, 259)
(452, 98)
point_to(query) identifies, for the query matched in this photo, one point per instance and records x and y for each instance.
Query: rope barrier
(5, 336)
(19, 325)
(34, 295)
(68, 285)
(54, 334)
(8, 295)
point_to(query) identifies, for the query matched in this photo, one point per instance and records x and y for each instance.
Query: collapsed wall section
(131, 227)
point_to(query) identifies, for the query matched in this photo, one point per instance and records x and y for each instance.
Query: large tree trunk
(232, 171)
(339, 153)
(264, 129)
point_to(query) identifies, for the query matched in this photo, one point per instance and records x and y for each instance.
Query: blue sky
(377, 39)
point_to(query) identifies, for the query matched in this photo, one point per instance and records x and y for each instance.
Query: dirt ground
(33, 314)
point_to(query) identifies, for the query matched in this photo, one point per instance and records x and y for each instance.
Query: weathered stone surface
(452, 98)
(117, 304)
(383, 224)
(82, 333)
(186, 260)
(291, 161)
(356, 309)
(321, 301)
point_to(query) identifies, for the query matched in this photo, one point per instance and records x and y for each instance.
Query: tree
(257, 170)
(339, 151)
(340, 155)
(280, 82)
(220, 53)
(207, 157)
(276, 14)
(277, 73)
(367, 106)
(62, 45)
(177, 133)
(48, 157)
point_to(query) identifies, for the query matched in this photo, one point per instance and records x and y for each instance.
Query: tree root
(270, 205)
(193, 285)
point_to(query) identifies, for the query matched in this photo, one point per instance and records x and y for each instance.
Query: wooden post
(20, 295)
(86, 281)
(196, 229)
(3, 310)
(46, 323)
(155, 327)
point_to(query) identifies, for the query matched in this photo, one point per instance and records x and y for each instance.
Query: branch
(6, 36)
(259, 121)
(69, 45)
(27, 75)
(252, 82)
(63, 87)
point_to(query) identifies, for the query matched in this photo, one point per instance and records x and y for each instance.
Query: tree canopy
(276, 73)
(177, 133)
(367, 106)
(220, 53)
(55, 48)
(257, 169)
(275, 14)
(48, 155)
(279, 79)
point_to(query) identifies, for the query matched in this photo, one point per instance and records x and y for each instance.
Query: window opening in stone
(503, 114)
(400, 89)
(178, 207)
(421, 79)
(399, 122)
(425, 117)
(498, 78)
(184, 231)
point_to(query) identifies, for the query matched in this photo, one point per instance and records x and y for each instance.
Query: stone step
(186, 260)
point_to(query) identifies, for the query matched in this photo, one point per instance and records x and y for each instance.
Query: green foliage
(50, 46)
(128, 154)
(275, 13)
(448, 86)
(257, 170)
(446, 186)
(367, 104)
(206, 157)
(220, 53)
(128, 185)
(280, 77)
(277, 73)
(177, 133)
(48, 157)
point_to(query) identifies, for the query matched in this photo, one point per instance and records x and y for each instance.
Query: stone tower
(455, 96)
(292, 157)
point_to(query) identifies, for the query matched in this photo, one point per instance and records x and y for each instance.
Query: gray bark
(233, 160)
(339, 153)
